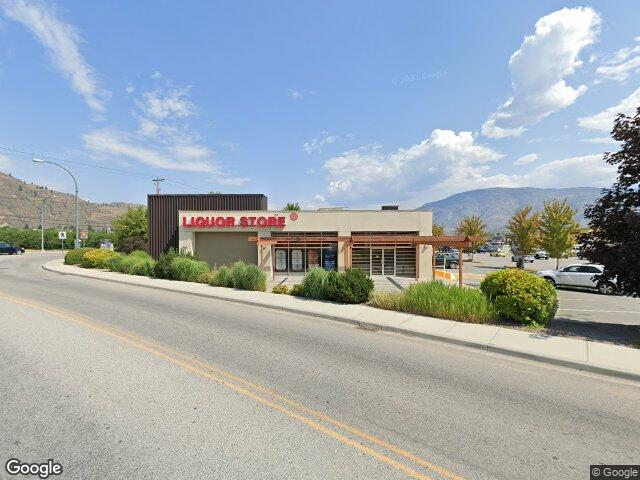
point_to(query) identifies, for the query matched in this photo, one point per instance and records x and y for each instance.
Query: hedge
(137, 263)
(313, 284)
(187, 269)
(350, 286)
(30, 238)
(74, 257)
(96, 258)
(521, 296)
(222, 278)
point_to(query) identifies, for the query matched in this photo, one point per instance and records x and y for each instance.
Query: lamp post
(76, 240)
(44, 201)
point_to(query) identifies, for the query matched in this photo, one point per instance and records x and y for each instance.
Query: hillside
(497, 205)
(21, 204)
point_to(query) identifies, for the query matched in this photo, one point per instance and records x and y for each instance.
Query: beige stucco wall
(342, 222)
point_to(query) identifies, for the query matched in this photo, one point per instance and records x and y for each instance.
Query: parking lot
(611, 318)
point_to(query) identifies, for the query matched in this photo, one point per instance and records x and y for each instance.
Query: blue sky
(325, 103)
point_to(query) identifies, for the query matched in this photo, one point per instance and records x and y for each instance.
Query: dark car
(10, 249)
(446, 260)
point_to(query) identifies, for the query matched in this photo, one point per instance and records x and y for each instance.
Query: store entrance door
(383, 261)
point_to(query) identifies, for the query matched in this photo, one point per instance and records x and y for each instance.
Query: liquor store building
(284, 243)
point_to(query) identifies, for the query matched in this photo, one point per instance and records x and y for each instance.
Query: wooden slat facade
(162, 211)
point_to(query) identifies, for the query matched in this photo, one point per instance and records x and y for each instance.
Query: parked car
(525, 258)
(10, 249)
(541, 254)
(586, 275)
(446, 259)
(498, 253)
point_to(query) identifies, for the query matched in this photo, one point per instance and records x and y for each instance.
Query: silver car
(585, 275)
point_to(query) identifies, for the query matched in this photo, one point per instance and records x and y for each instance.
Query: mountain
(21, 206)
(496, 205)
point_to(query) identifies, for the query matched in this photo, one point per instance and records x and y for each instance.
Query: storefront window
(330, 258)
(297, 265)
(313, 258)
(281, 260)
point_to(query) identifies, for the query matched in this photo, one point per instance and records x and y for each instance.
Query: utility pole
(157, 182)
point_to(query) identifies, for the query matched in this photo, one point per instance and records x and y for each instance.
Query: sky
(335, 103)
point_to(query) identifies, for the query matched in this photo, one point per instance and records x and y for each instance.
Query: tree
(472, 226)
(437, 229)
(558, 229)
(292, 206)
(525, 232)
(132, 223)
(614, 219)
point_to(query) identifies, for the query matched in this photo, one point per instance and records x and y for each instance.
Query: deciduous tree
(132, 223)
(614, 219)
(473, 226)
(558, 229)
(292, 206)
(524, 227)
(437, 229)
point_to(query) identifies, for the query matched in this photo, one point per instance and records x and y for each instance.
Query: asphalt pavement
(583, 313)
(115, 381)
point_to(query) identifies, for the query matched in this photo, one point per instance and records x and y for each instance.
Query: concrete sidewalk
(580, 354)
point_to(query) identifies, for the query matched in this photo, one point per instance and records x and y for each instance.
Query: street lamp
(44, 201)
(77, 239)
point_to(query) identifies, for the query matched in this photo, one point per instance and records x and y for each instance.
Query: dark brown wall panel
(163, 213)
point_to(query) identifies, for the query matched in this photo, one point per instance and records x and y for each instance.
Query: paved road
(125, 382)
(584, 313)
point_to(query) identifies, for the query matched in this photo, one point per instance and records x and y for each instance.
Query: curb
(583, 367)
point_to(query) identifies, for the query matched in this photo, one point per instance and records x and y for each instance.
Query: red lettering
(262, 222)
(252, 221)
(200, 222)
(244, 222)
(231, 221)
(271, 221)
(281, 221)
(185, 224)
(220, 222)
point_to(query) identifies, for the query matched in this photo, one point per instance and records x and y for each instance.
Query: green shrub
(96, 258)
(281, 289)
(521, 296)
(296, 290)
(237, 273)
(313, 284)
(74, 257)
(187, 269)
(113, 263)
(222, 278)
(205, 277)
(137, 263)
(248, 277)
(436, 299)
(350, 286)
(161, 269)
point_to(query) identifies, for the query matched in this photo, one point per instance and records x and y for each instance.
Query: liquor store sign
(274, 221)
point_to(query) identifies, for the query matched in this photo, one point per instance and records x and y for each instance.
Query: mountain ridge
(496, 205)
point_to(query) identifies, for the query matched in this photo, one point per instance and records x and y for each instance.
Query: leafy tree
(292, 206)
(614, 219)
(437, 229)
(525, 231)
(473, 226)
(558, 229)
(132, 223)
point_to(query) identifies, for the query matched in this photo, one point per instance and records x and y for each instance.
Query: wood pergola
(459, 242)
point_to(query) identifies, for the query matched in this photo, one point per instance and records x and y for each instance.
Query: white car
(525, 258)
(584, 275)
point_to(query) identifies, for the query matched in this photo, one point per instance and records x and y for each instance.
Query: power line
(91, 165)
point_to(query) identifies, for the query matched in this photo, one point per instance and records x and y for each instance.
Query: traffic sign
(62, 235)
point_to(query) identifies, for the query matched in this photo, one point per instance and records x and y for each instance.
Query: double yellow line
(264, 396)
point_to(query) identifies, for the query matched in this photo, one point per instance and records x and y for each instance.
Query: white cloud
(161, 104)
(624, 63)
(295, 94)
(603, 121)
(584, 171)
(367, 172)
(538, 70)
(232, 181)
(63, 44)
(318, 201)
(599, 140)
(526, 159)
(115, 143)
(315, 145)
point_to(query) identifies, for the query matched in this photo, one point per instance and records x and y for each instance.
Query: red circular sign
(293, 216)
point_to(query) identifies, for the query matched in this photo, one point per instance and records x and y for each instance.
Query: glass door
(376, 261)
(389, 262)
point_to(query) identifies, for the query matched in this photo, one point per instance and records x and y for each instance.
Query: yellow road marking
(174, 357)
